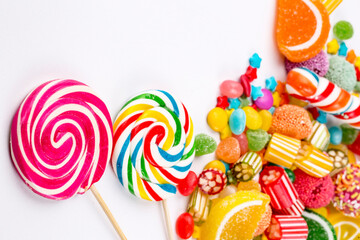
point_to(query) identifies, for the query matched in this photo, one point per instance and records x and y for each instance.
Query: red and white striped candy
(280, 189)
(295, 210)
(287, 228)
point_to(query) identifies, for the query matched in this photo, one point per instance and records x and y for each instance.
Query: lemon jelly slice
(235, 217)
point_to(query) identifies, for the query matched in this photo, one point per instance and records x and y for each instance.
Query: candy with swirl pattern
(61, 139)
(153, 145)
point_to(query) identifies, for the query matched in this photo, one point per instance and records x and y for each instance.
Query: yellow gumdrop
(333, 46)
(277, 99)
(229, 112)
(196, 233)
(216, 164)
(295, 101)
(253, 118)
(217, 119)
(266, 119)
(226, 132)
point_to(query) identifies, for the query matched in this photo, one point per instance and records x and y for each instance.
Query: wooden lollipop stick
(167, 219)
(107, 212)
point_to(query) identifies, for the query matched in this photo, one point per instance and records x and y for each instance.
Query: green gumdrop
(349, 134)
(290, 174)
(244, 102)
(204, 144)
(343, 30)
(357, 87)
(257, 139)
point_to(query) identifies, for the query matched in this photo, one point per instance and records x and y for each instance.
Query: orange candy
(228, 150)
(302, 28)
(351, 56)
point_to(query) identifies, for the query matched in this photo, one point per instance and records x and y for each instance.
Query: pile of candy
(282, 171)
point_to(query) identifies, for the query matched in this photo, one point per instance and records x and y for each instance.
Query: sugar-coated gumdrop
(302, 28)
(184, 226)
(253, 118)
(204, 144)
(342, 73)
(266, 117)
(188, 184)
(237, 121)
(228, 190)
(332, 47)
(335, 135)
(248, 186)
(231, 89)
(290, 174)
(349, 134)
(264, 221)
(266, 101)
(217, 119)
(216, 164)
(257, 139)
(243, 142)
(292, 121)
(318, 64)
(343, 30)
(228, 150)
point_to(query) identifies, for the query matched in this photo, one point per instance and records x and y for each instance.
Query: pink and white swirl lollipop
(61, 140)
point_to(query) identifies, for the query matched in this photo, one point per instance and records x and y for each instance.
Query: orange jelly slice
(302, 28)
(235, 217)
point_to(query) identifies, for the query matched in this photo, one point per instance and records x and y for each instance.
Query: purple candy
(318, 64)
(266, 101)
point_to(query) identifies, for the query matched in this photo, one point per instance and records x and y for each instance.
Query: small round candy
(184, 226)
(228, 150)
(266, 101)
(253, 118)
(237, 121)
(343, 30)
(231, 89)
(335, 135)
(217, 119)
(266, 119)
(219, 165)
(243, 142)
(188, 184)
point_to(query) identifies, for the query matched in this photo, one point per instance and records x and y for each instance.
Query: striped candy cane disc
(153, 145)
(61, 139)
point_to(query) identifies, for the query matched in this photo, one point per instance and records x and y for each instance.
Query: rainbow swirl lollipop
(61, 139)
(153, 145)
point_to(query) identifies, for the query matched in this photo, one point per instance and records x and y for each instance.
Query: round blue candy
(335, 135)
(237, 121)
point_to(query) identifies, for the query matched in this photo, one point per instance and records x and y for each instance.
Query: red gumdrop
(355, 146)
(231, 89)
(243, 142)
(245, 83)
(188, 184)
(251, 73)
(185, 226)
(357, 73)
(222, 102)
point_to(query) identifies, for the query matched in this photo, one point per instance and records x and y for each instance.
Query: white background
(120, 48)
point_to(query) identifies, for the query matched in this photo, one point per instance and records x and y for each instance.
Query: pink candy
(266, 101)
(61, 139)
(231, 89)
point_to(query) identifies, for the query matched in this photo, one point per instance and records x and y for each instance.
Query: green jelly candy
(244, 102)
(257, 139)
(204, 144)
(343, 30)
(290, 174)
(349, 134)
(319, 227)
